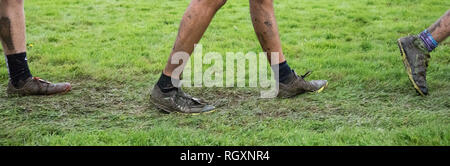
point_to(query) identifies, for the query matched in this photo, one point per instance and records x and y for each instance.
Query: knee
(5, 4)
(217, 4)
(261, 2)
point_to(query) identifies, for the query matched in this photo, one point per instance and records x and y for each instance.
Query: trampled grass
(113, 52)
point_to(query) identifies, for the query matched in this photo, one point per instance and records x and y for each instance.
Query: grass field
(114, 50)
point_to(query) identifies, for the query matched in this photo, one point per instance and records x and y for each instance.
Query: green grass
(114, 50)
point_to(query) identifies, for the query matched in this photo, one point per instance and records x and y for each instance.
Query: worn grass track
(113, 51)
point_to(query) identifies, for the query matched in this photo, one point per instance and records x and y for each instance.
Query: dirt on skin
(5, 32)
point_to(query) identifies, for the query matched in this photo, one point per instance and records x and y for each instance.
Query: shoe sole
(67, 90)
(169, 111)
(408, 67)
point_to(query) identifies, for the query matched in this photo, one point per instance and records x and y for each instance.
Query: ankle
(18, 69)
(284, 72)
(166, 83)
(421, 46)
(428, 41)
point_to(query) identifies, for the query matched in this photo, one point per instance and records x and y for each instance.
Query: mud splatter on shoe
(178, 101)
(37, 86)
(415, 58)
(298, 86)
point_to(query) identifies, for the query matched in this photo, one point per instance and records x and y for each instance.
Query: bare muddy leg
(12, 35)
(195, 21)
(166, 94)
(12, 26)
(266, 28)
(441, 29)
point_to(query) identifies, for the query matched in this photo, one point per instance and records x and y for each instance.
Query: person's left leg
(12, 36)
(416, 49)
(266, 28)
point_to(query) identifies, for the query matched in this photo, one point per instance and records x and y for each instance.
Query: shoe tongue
(188, 99)
(421, 46)
(292, 76)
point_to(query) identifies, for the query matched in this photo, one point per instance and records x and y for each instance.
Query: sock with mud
(284, 72)
(165, 83)
(18, 69)
(428, 40)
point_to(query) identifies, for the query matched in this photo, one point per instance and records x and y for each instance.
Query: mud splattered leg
(266, 28)
(441, 29)
(12, 26)
(195, 21)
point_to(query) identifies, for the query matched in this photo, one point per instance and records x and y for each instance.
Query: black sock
(18, 69)
(165, 83)
(284, 72)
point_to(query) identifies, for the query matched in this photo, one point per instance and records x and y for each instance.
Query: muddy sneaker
(415, 58)
(298, 86)
(37, 86)
(178, 101)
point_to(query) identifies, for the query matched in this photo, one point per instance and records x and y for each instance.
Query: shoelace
(41, 80)
(187, 100)
(306, 74)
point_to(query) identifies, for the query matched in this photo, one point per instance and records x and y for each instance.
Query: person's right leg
(196, 20)
(12, 36)
(441, 29)
(415, 51)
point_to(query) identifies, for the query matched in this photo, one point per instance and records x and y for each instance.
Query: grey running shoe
(298, 86)
(415, 58)
(37, 86)
(178, 101)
